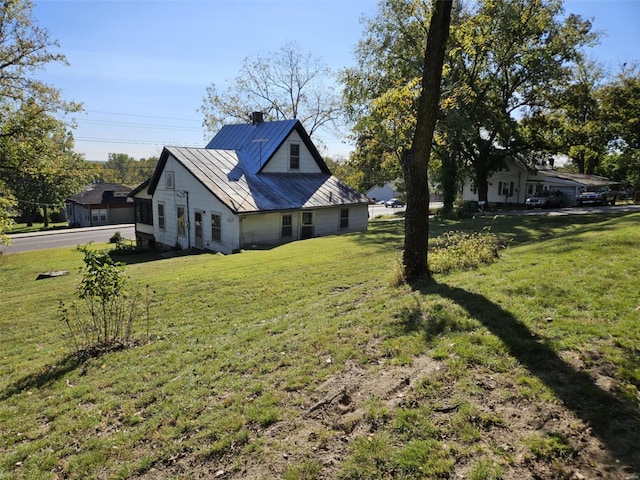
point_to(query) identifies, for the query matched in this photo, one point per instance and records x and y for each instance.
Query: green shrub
(462, 251)
(111, 309)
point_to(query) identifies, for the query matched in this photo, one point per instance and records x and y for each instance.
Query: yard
(304, 362)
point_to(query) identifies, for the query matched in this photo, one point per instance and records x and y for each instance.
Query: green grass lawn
(304, 362)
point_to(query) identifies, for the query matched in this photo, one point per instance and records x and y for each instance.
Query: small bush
(110, 307)
(461, 251)
(116, 238)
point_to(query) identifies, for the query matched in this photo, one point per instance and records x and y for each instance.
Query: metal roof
(581, 178)
(225, 174)
(256, 143)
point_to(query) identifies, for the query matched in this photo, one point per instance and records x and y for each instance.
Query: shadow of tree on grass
(615, 422)
(47, 375)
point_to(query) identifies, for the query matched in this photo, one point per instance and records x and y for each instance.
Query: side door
(199, 242)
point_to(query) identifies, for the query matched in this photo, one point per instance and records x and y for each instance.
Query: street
(24, 242)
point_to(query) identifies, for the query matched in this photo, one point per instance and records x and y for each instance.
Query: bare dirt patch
(513, 425)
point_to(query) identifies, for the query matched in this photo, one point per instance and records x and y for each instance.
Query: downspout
(188, 219)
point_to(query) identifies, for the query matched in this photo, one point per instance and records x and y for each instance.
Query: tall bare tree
(415, 162)
(284, 85)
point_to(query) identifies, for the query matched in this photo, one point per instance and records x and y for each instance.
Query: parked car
(393, 202)
(597, 196)
(546, 199)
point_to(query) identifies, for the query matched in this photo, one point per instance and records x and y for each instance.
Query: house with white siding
(255, 185)
(516, 182)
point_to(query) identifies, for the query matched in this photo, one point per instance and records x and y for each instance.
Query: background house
(254, 185)
(515, 183)
(383, 192)
(100, 204)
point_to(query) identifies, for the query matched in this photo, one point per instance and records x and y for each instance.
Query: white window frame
(169, 180)
(294, 157)
(162, 218)
(286, 229)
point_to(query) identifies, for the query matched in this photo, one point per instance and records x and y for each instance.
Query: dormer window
(294, 156)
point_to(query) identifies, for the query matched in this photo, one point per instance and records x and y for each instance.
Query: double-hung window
(344, 218)
(287, 226)
(169, 179)
(294, 156)
(161, 225)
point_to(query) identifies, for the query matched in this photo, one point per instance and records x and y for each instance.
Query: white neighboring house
(254, 185)
(515, 183)
(383, 192)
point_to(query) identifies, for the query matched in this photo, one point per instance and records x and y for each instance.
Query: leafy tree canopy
(506, 59)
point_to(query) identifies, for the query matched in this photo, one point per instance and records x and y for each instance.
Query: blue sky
(141, 67)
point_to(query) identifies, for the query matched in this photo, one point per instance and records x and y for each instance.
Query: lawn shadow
(613, 420)
(47, 375)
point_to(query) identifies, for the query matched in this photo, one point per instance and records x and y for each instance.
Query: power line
(143, 116)
(140, 125)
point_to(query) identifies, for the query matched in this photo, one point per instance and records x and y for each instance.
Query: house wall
(526, 185)
(265, 229)
(120, 213)
(193, 196)
(511, 179)
(80, 215)
(384, 192)
(279, 162)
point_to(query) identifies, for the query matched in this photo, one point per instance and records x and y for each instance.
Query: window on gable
(161, 216)
(216, 227)
(169, 180)
(294, 156)
(182, 221)
(287, 226)
(344, 218)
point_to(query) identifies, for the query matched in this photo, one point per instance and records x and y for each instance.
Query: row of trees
(516, 84)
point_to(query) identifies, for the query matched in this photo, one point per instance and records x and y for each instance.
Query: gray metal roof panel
(222, 172)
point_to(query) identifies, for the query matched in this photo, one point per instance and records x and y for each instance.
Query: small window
(287, 226)
(144, 213)
(182, 221)
(294, 156)
(169, 180)
(216, 227)
(505, 189)
(344, 218)
(161, 216)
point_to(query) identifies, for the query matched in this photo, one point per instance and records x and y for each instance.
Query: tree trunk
(449, 182)
(45, 216)
(416, 161)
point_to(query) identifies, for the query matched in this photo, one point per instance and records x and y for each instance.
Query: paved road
(24, 242)
(79, 236)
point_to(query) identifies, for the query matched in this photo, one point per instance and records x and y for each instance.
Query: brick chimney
(256, 118)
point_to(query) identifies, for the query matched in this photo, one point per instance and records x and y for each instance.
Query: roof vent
(256, 118)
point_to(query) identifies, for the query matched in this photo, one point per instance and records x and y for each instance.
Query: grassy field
(304, 362)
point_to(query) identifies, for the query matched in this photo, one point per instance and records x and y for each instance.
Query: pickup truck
(597, 196)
